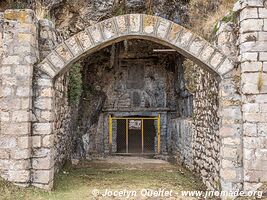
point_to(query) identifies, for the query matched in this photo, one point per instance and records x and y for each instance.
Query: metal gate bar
(127, 130)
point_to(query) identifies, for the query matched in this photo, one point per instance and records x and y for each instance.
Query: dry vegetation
(204, 15)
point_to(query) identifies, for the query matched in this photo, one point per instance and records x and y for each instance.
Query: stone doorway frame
(152, 28)
(37, 118)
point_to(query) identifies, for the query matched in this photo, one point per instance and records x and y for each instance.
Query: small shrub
(75, 84)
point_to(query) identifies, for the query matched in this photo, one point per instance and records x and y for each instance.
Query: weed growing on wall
(75, 84)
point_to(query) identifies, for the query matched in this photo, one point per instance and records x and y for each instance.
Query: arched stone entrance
(141, 26)
(29, 132)
(134, 26)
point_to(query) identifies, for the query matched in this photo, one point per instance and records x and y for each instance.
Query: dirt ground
(113, 178)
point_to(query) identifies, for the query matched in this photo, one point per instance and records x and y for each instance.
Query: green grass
(78, 183)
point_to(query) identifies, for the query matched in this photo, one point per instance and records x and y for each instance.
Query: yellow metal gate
(131, 123)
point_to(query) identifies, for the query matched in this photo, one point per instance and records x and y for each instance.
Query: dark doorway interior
(121, 136)
(149, 135)
(135, 145)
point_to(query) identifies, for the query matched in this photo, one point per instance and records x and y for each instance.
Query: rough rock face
(72, 16)
(122, 77)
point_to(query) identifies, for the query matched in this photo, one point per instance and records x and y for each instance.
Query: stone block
(254, 117)
(231, 112)
(44, 103)
(263, 57)
(216, 59)
(42, 152)
(108, 28)
(228, 164)
(253, 46)
(121, 24)
(19, 164)
(26, 38)
(11, 60)
(36, 141)
(45, 67)
(7, 142)
(250, 78)
(248, 154)
(48, 141)
(135, 23)
(43, 176)
(46, 116)
(251, 107)
(252, 186)
(249, 88)
(4, 154)
(21, 176)
(48, 186)
(42, 128)
(162, 27)
(229, 131)
(5, 70)
(5, 116)
(57, 62)
(96, 33)
(21, 116)
(85, 42)
(226, 67)
(249, 57)
(231, 141)
(73, 44)
(262, 36)
(64, 52)
(185, 38)
(197, 46)
(148, 24)
(255, 142)
(250, 129)
(174, 33)
(20, 153)
(42, 163)
(250, 25)
(23, 70)
(255, 176)
(24, 91)
(228, 174)
(24, 142)
(262, 129)
(263, 107)
(262, 12)
(13, 128)
(265, 25)
(252, 3)
(229, 152)
(249, 13)
(46, 92)
(251, 66)
(23, 16)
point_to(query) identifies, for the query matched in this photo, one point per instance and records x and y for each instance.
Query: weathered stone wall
(252, 18)
(206, 145)
(182, 141)
(63, 133)
(19, 53)
(196, 133)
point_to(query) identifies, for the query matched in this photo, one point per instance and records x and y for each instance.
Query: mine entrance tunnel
(136, 135)
(140, 97)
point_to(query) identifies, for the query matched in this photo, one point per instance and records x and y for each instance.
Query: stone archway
(142, 26)
(27, 151)
(117, 29)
